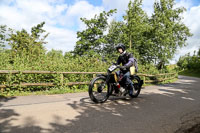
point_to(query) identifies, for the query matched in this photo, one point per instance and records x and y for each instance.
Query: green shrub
(55, 61)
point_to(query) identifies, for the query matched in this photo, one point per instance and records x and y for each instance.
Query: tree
(136, 20)
(93, 37)
(114, 37)
(189, 62)
(168, 31)
(2, 36)
(198, 53)
(183, 62)
(136, 30)
(23, 43)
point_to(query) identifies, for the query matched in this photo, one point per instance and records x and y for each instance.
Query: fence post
(144, 79)
(9, 78)
(165, 76)
(19, 85)
(2, 90)
(61, 79)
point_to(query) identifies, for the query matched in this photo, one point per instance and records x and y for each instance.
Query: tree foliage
(93, 37)
(188, 62)
(114, 37)
(168, 31)
(24, 43)
(3, 29)
(152, 39)
(136, 31)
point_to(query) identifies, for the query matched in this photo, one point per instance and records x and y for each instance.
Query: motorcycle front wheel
(98, 90)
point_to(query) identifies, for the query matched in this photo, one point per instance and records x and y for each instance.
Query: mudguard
(101, 75)
(141, 83)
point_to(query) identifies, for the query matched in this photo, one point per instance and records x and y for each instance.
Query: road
(169, 108)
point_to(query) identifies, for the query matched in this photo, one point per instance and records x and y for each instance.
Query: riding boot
(131, 89)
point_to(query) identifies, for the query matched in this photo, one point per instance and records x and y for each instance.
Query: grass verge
(192, 73)
(51, 91)
(61, 90)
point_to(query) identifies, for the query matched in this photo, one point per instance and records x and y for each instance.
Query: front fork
(102, 86)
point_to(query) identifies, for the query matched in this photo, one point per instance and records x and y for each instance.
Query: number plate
(112, 68)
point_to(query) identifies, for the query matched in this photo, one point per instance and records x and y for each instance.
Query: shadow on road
(155, 110)
(8, 115)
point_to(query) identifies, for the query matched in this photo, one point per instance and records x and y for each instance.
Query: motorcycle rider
(127, 60)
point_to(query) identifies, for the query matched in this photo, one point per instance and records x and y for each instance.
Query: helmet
(122, 46)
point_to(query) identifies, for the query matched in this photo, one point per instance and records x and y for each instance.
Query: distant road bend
(170, 108)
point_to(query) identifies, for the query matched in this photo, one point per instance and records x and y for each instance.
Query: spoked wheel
(137, 83)
(98, 90)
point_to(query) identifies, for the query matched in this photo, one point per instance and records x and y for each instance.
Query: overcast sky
(62, 18)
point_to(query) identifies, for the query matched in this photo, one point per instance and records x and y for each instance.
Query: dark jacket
(127, 61)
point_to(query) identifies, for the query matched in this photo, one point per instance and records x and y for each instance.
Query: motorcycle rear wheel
(137, 86)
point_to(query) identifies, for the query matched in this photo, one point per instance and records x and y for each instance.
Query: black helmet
(122, 46)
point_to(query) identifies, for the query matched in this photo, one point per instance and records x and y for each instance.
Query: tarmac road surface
(169, 108)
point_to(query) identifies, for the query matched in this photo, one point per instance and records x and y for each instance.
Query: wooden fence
(143, 76)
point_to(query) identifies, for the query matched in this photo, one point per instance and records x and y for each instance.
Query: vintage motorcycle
(105, 85)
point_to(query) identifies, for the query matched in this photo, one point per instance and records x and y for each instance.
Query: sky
(62, 18)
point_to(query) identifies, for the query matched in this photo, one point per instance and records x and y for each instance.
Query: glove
(122, 67)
